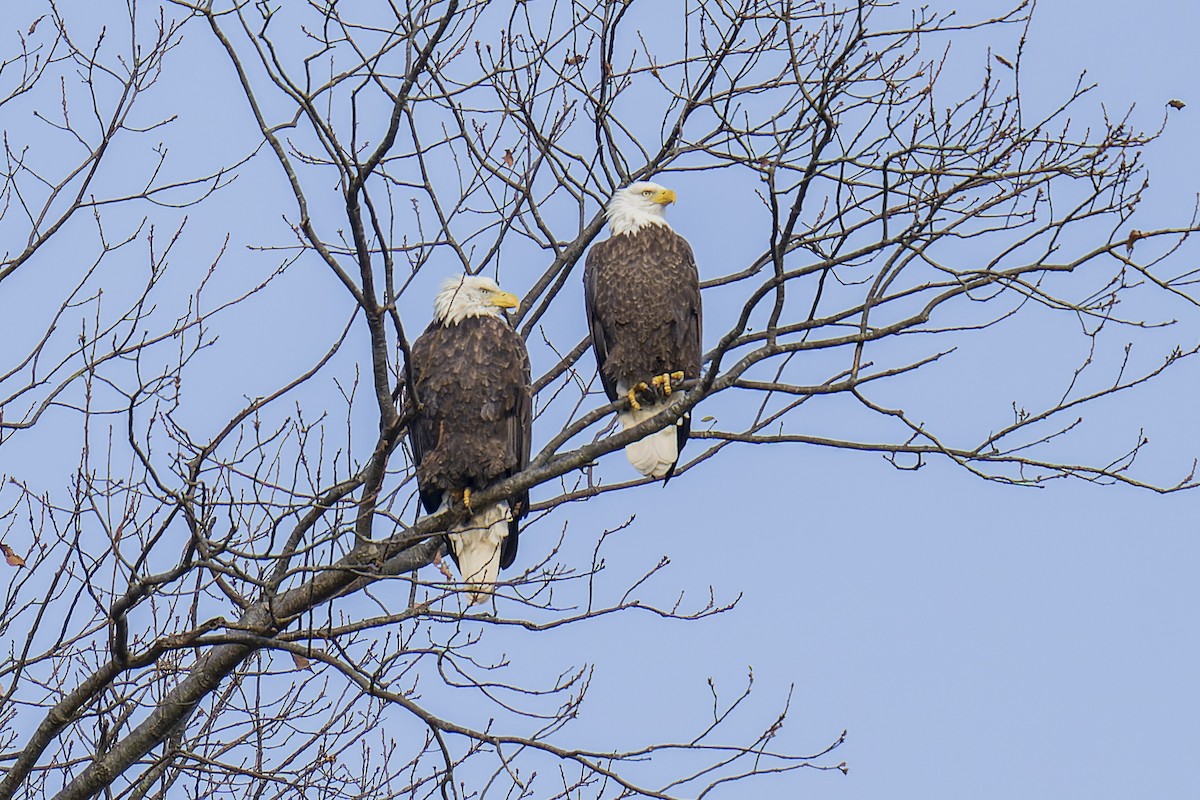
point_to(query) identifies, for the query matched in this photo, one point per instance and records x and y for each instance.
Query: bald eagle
(472, 422)
(642, 293)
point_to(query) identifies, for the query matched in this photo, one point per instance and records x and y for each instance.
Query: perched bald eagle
(642, 292)
(472, 427)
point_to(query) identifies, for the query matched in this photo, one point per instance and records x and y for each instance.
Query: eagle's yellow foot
(663, 382)
(631, 396)
(461, 496)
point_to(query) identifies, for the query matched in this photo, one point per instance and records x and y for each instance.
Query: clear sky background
(975, 640)
(984, 641)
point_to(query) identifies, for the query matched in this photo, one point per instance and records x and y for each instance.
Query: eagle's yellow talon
(663, 381)
(632, 398)
(466, 498)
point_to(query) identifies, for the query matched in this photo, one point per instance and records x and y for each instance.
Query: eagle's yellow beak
(505, 300)
(664, 197)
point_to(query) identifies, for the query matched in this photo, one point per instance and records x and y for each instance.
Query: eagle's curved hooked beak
(664, 197)
(505, 300)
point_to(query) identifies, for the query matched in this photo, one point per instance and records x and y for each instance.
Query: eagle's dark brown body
(472, 430)
(643, 302)
(642, 292)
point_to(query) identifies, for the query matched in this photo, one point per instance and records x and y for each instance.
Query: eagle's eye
(647, 193)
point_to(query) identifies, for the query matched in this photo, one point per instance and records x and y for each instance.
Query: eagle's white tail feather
(477, 543)
(653, 455)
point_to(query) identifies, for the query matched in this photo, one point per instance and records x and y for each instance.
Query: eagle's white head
(638, 205)
(470, 296)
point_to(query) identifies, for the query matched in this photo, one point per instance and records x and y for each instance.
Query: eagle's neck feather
(627, 217)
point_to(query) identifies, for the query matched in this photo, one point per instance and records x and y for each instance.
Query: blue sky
(976, 640)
